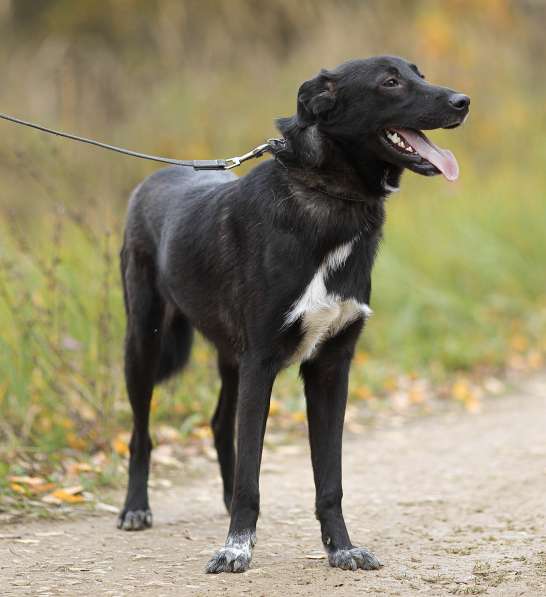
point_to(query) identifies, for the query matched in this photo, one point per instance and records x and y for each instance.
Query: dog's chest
(322, 313)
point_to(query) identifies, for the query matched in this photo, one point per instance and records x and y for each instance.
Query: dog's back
(164, 195)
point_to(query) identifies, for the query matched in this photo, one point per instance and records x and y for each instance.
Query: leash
(272, 146)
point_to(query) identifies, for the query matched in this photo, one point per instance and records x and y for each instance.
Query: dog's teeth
(393, 137)
(399, 141)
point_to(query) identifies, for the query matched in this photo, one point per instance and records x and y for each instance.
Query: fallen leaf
(18, 488)
(67, 495)
(25, 480)
(416, 395)
(75, 441)
(120, 444)
(74, 468)
(106, 507)
(203, 432)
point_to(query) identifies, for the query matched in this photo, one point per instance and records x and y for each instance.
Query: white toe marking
(324, 315)
(240, 545)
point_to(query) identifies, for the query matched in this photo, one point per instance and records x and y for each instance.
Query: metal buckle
(253, 153)
(232, 163)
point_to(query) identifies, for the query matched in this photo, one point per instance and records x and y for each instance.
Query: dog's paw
(235, 556)
(354, 558)
(135, 520)
(229, 559)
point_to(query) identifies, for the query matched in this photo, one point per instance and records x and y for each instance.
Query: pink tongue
(443, 159)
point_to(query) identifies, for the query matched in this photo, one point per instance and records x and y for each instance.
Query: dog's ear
(316, 98)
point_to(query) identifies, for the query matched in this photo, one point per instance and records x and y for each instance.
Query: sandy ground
(452, 504)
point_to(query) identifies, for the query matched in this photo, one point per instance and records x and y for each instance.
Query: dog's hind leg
(144, 309)
(256, 378)
(326, 382)
(223, 426)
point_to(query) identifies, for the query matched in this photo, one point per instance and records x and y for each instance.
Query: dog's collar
(341, 183)
(328, 184)
(343, 196)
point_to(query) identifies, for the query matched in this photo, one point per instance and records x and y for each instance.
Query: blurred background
(459, 286)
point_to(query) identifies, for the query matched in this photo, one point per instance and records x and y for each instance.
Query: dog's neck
(343, 172)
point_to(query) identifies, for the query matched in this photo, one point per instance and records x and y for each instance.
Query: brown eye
(392, 82)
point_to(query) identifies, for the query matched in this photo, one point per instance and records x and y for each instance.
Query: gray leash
(272, 145)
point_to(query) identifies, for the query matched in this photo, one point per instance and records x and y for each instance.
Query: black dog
(274, 268)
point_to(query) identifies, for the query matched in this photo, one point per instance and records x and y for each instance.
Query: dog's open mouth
(413, 143)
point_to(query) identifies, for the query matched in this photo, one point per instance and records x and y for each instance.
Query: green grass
(458, 276)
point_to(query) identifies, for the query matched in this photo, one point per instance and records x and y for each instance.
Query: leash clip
(257, 152)
(232, 163)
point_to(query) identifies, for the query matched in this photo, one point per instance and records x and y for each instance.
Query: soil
(451, 504)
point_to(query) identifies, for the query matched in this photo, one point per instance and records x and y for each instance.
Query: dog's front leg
(255, 382)
(326, 383)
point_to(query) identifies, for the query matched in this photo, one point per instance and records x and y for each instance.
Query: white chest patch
(324, 315)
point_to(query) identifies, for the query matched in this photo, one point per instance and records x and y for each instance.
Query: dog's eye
(391, 82)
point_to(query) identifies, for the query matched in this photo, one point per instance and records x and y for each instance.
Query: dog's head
(378, 108)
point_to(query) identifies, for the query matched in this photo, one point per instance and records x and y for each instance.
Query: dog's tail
(176, 342)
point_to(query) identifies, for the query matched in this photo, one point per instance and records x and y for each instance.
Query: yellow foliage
(436, 34)
(298, 416)
(390, 384)
(416, 395)
(75, 468)
(203, 432)
(363, 393)
(28, 486)
(361, 357)
(535, 360)
(66, 423)
(120, 444)
(519, 343)
(274, 407)
(44, 424)
(465, 393)
(67, 496)
(461, 390)
(201, 355)
(17, 488)
(38, 299)
(75, 441)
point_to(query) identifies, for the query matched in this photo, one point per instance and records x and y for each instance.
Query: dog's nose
(459, 101)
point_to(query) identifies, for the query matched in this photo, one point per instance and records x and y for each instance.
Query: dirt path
(452, 504)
